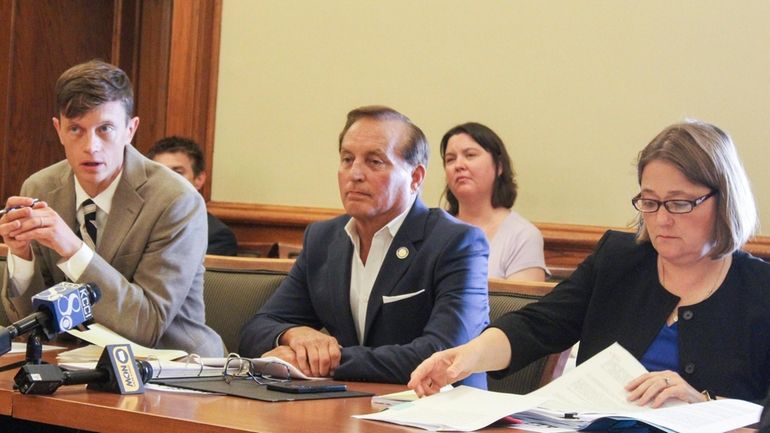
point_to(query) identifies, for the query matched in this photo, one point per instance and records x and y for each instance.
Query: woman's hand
(442, 368)
(659, 386)
(488, 352)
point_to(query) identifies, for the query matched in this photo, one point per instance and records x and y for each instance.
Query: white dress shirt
(363, 276)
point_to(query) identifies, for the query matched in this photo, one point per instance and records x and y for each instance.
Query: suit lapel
(63, 200)
(340, 254)
(126, 205)
(396, 263)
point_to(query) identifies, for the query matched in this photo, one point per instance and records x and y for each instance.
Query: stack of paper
(100, 336)
(590, 397)
(17, 347)
(400, 397)
(461, 409)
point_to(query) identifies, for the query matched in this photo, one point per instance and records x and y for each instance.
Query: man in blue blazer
(391, 281)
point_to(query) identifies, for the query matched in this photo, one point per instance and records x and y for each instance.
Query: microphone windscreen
(95, 293)
(68, 305)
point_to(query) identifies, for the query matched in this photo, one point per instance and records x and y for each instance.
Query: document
(400, 397)
(17, 347)
(590, 397)
(461, 409)
(595, 386)
(100, 336)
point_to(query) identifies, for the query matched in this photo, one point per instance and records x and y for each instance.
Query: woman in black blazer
(678, 295)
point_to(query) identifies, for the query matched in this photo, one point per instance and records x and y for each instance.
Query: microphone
(59, 308)
(117, 371)
(68, 304)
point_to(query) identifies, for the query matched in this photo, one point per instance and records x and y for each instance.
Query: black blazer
(615, 295)
(433, 298)
(764, 423)
(222, 240)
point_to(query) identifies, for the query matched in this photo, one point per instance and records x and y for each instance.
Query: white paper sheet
(17, 347)
(461, 409)
(101, 336)
(592, 390)
(595, 386)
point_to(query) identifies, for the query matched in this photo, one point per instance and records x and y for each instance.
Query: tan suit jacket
(148, 261)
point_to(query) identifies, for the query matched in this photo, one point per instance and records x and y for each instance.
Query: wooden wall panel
(151, 85)
(178, 61)
(169, 49)
(6, 31)
(44, 38)
(566, 245)
(193, 75)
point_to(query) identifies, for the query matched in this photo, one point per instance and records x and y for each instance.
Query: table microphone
(58, 309)
(117, 371)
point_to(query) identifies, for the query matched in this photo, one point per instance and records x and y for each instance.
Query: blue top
(663, 353)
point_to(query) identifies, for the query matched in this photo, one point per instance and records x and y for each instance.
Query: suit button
(687, 315)
(689, 368)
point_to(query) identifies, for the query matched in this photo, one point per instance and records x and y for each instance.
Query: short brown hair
(414, 150)
(707, 156)
(84, 87)
(177, 144)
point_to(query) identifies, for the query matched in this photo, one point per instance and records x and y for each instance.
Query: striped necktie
(89, 224)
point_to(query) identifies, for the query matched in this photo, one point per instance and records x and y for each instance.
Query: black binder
(244, 387)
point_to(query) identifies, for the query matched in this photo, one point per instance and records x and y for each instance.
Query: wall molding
(566, 245)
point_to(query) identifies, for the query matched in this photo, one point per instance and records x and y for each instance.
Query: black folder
(248, 388)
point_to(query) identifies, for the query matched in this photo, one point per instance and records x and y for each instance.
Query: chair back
(234, 294)
(539, 372)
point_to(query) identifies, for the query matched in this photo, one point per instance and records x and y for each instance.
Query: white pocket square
(390, 299)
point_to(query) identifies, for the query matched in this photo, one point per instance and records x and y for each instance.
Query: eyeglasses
(243, 368)
(648, 205)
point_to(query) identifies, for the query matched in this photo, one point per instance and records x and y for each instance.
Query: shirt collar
(392, 227)
(103, 200)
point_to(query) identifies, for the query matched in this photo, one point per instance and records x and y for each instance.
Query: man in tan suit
(110, 216)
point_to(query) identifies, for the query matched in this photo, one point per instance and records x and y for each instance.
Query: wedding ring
(668, 383)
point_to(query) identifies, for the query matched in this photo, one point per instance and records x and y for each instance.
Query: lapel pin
(402, 253)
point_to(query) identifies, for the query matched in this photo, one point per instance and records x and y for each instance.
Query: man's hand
(315, 353)
(12, 223)
(37, 223)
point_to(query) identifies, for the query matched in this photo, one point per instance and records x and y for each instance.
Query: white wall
(574, 88)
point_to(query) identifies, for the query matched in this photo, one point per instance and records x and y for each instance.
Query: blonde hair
(707, 156)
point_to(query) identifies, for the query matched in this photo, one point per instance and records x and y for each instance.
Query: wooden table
(160, 411)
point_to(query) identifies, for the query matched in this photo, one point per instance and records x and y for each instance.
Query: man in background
(391, 281)
(185, 157)
(108, 215)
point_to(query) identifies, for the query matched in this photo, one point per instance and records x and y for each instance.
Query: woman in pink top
(481, 190)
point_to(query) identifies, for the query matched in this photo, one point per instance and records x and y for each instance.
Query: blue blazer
(443, 280)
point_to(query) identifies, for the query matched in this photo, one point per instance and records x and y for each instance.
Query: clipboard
(249, 389)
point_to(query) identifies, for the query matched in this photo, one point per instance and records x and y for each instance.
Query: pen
(8, 209)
